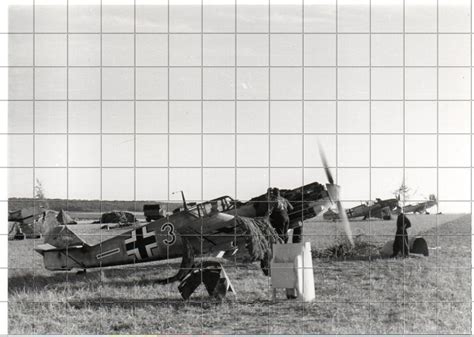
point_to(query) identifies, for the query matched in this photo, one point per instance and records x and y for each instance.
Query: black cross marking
(138, 246)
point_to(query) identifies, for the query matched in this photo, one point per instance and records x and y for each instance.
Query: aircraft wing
(213, 233)
(411, 208)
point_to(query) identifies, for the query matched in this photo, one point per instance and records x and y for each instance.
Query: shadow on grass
(201, 302)
(130, 276)
(159, 302)
(33, 282)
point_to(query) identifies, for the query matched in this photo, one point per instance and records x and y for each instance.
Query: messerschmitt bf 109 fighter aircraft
(219, 227)
(421, 207)
(379, 208)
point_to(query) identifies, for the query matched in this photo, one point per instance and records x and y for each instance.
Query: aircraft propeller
(333, 191)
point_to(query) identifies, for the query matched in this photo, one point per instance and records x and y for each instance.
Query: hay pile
(342, 249)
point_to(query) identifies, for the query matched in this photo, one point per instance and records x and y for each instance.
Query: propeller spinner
(333, 191)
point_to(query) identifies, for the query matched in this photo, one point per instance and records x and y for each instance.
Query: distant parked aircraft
(421, 207)
(382, 209)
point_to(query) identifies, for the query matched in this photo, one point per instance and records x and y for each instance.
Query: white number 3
(169, 227)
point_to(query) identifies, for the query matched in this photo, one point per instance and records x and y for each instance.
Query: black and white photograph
(236, 167)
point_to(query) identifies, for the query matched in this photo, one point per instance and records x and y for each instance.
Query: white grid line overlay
(269, 168)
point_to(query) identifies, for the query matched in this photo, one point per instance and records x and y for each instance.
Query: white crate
(292, 268)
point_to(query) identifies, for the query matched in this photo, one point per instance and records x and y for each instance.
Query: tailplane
(62, 249)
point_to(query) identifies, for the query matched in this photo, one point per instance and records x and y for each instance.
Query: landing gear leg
(298, 233)
(291, 293)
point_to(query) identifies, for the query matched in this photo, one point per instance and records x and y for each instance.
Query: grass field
(365, 295)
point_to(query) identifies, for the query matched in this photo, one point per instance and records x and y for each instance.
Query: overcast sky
(216, 145)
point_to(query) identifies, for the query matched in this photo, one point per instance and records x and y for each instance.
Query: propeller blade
(333, 191)
(325, 164)
(345, 222)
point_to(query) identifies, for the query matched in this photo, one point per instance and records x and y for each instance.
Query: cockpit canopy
(218, 205)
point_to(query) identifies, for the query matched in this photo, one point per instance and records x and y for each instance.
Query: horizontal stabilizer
(62, 237)
(46, 247)
(58, 258)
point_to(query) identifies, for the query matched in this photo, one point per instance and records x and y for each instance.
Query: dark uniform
(401, 237)
(298, 233)
(278, 210)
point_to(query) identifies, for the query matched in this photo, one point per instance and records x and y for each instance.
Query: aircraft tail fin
(62, 237)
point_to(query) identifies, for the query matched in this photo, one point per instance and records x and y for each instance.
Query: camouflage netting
(48, 222)
(118, 217)
(34, 230)
(260, 235)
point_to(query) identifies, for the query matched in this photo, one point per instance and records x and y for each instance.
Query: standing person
(278, 211)
(401, 237)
